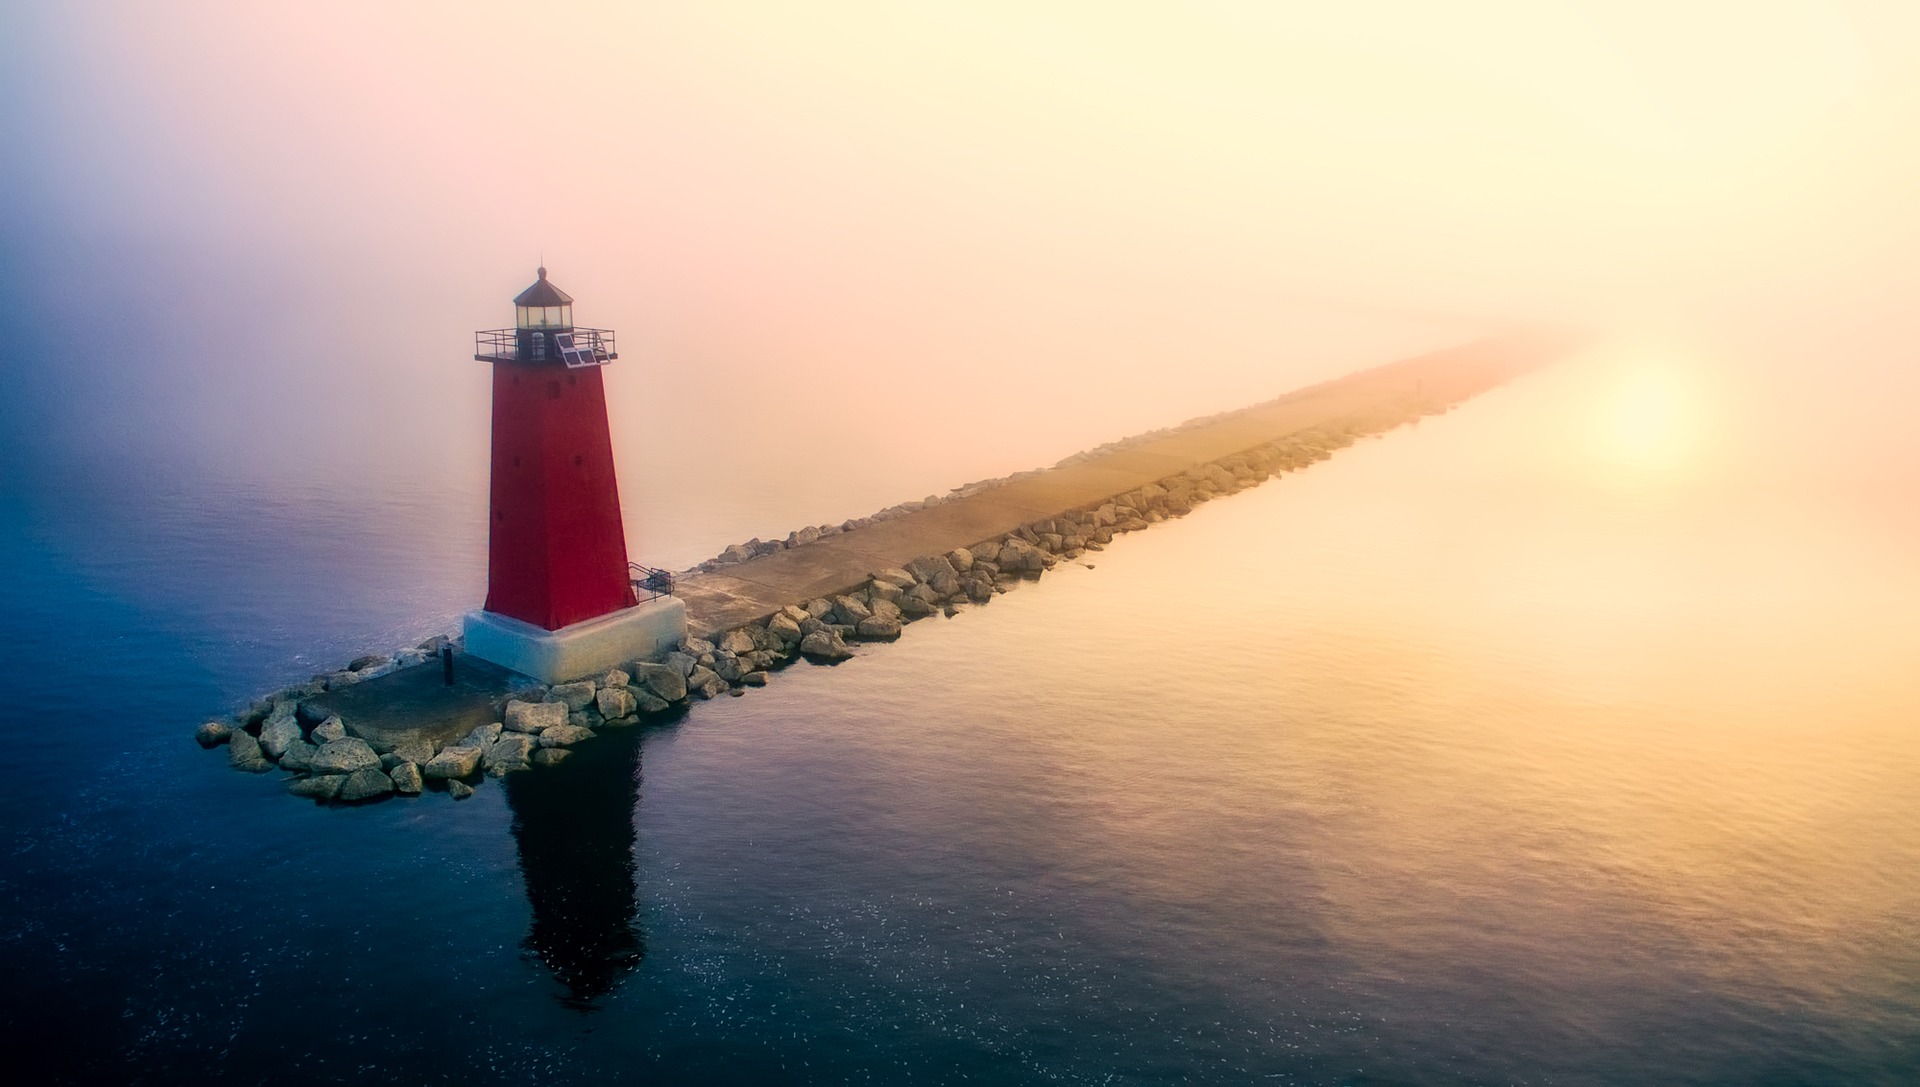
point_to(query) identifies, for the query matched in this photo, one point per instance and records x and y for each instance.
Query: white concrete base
(580, 650)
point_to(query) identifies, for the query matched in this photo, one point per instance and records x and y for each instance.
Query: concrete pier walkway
(752, 590)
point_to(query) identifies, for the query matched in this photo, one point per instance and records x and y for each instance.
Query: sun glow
(1648, 421)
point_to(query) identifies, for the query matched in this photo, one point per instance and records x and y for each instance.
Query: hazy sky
(840, 232)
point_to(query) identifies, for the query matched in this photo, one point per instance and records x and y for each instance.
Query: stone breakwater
(539, 726)
(761, 606)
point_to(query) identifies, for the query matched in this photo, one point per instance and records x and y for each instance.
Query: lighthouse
(560, 597)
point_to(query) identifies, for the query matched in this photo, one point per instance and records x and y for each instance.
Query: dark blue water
(1437, 763)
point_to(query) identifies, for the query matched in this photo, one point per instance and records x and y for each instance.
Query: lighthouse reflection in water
(573, 826)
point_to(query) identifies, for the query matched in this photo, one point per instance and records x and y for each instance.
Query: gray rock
(732, 668)
(565, 736)
(345, 757)
(278, 733)
(754, 679)
(298, 756)
(215, 733)
(614, 701)
(849, 610)
(666, 681)
(896, 577)
(508, 755)
(365, 785)
(648, 702)
(329, 730)
(580, 720)
(319, 788)
(312, 713)
(876, 629)
(459, 790)
(455, 762)
(823, 645)
(885, 609)
(929, 567)
(880, 591)
(915, 608)
(550, 756)
(735, 642)
(480, 736)
(417, 749)
(705, 683)
(685, 662)
(361, 664)
(782, 626)
(574, 695)
(697, 647)
(961, 559)
(243, 753)
(613, 678)
(534, 716)
(406, 778)
(817, 608)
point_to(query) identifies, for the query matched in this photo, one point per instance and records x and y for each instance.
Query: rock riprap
(541, 727)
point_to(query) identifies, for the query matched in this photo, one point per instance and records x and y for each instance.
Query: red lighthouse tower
(560, 602)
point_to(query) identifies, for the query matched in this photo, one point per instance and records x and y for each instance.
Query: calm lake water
(1566, 738)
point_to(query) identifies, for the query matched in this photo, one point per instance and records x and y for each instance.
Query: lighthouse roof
(543, 293)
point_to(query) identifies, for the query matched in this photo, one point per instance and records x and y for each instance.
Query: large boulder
(575, 696)
(849, 610)
(565, 736)
(406, 778)
(706, 683)
(781, 626)
(325, 787)
(932, 568)
(459, 790)
(885, 609)
(480, 736)
(365, 785)
(455, 762)
(666, 681)
(915, 608)
(896, 577)
(417, 749)
(824, 645)
(736, 642)
(243, 753)
(732, 668)
(685, 662)
(614, 701)
(550, 756)
(648, 702)
(876, 629)
(298, 756)
(509, 754)
(960, 559)
(215, 733)
(534, 716)
(278, 734)
(347, 756)
(329, 730)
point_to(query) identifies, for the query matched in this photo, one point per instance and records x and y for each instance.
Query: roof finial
(543, 266)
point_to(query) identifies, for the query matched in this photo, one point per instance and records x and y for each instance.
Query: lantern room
(543, 307)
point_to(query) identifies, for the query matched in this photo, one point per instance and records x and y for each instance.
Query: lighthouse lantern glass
(544, 316)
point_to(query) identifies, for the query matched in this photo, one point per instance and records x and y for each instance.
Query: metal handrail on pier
(648, 582)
